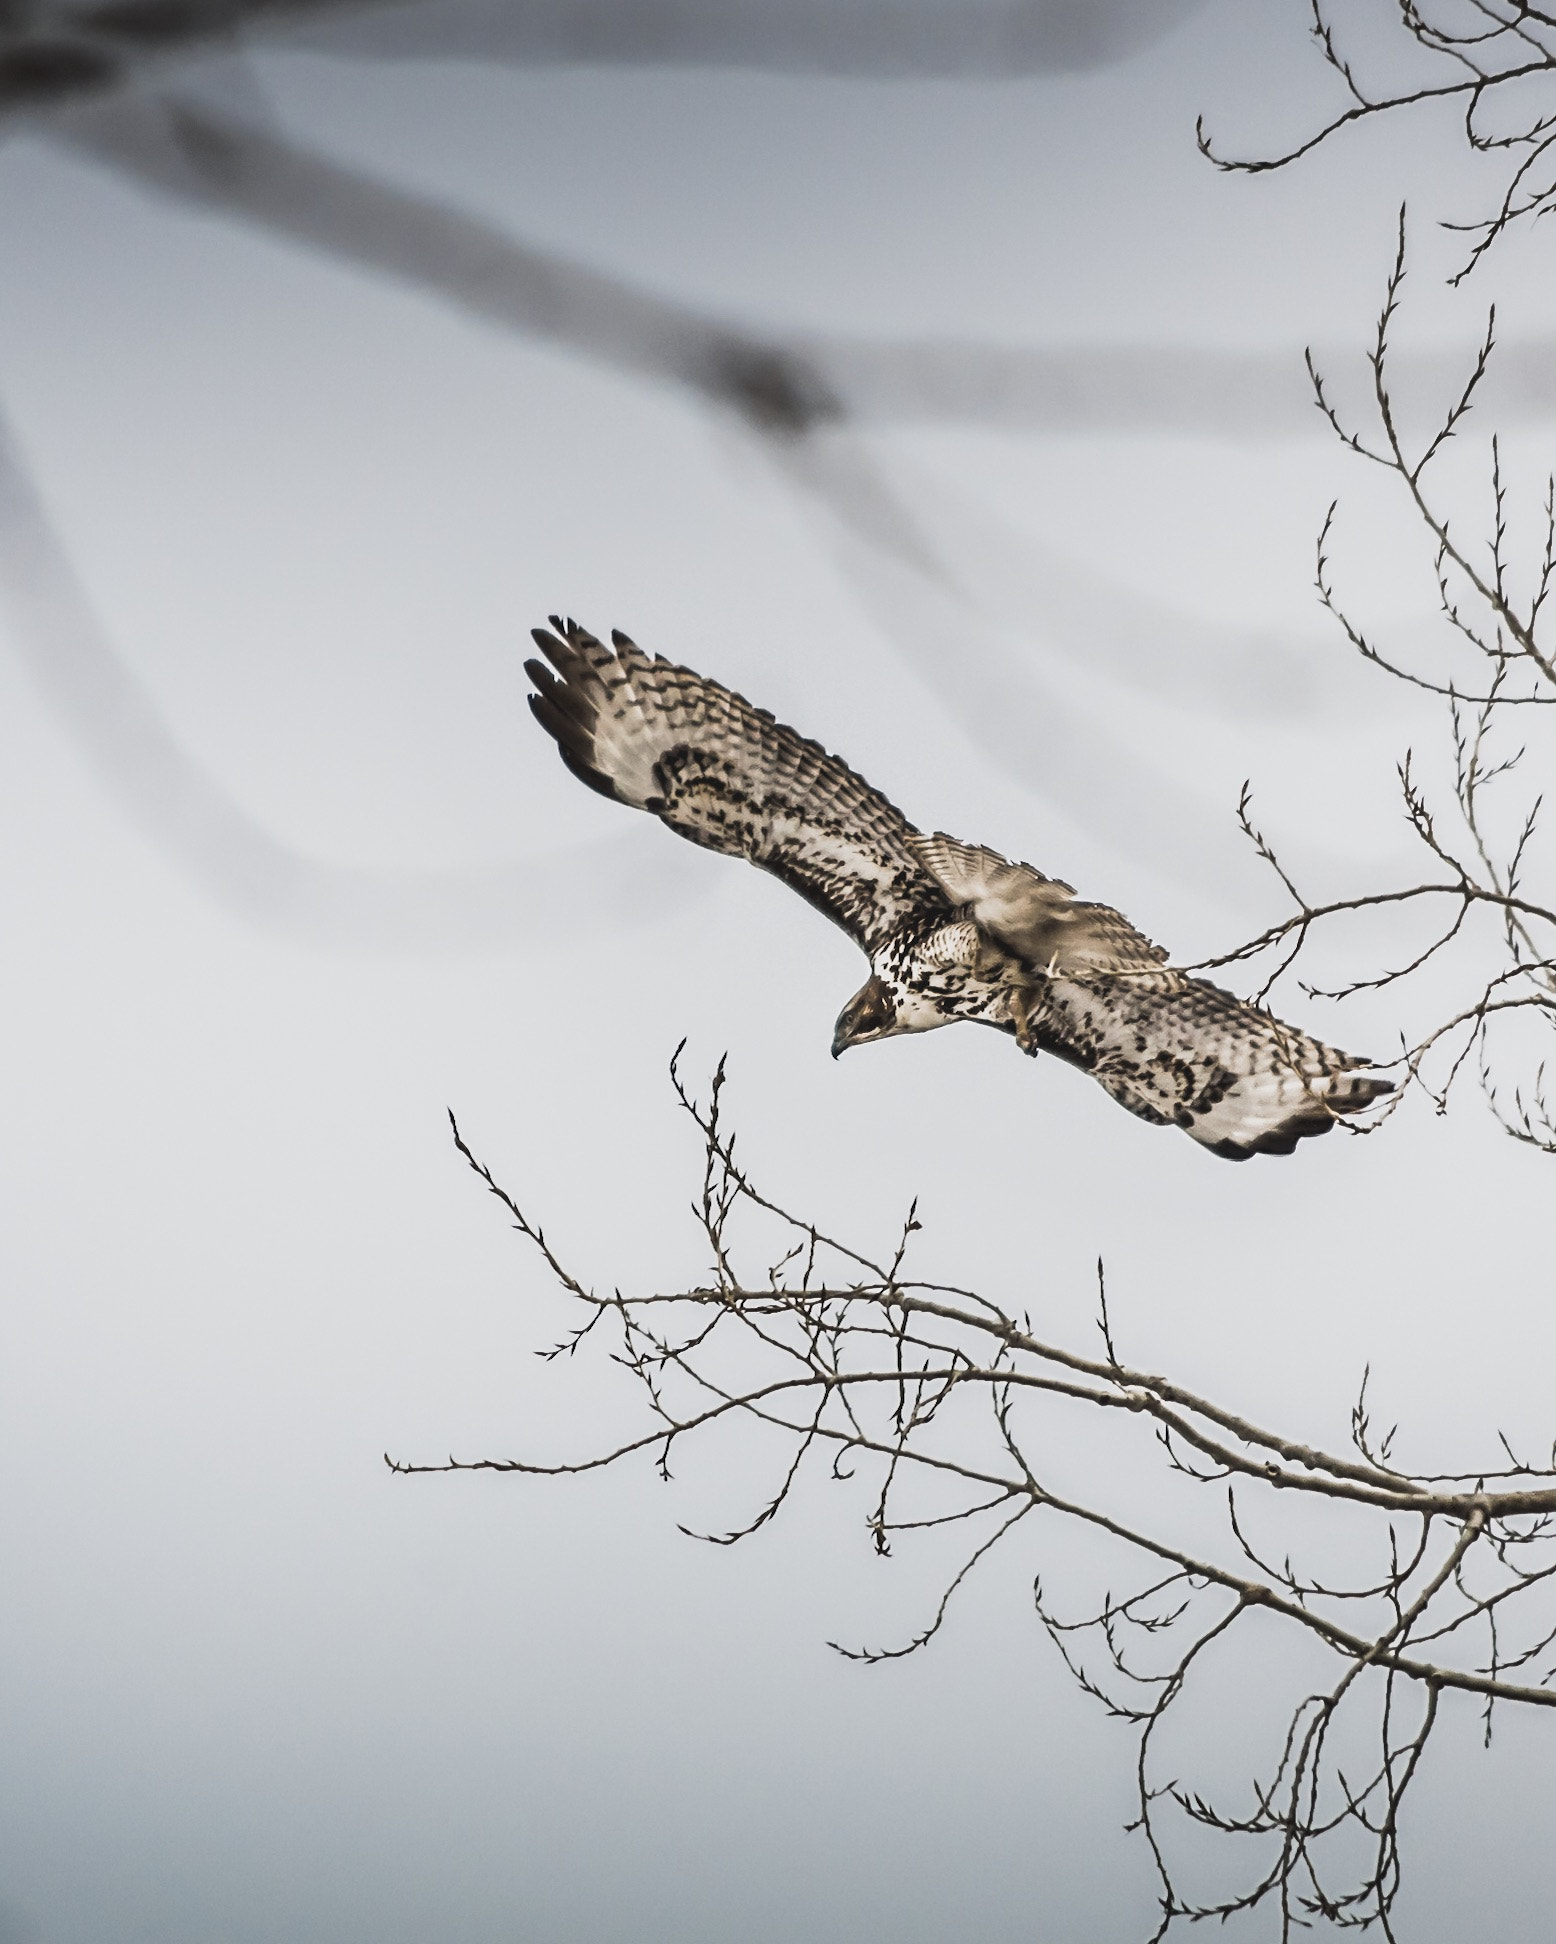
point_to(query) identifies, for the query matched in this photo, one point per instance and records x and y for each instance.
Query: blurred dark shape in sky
(250, 172)
(782, 384)
(795, 395)
(784, 388)
(1193, 391)
(1072, 388)
(974, 39)
(779, 393)
(41, 72)
(213, 840)
(50, 51)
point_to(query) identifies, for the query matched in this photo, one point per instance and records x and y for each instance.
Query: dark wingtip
(565, 707)
(1311, 1123)
(554, 649)
(586, 773)
(552, 720)
(569, 700)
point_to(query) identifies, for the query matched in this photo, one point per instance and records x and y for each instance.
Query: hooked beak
(868, 1015)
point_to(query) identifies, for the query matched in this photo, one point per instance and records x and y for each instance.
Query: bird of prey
(952, 931)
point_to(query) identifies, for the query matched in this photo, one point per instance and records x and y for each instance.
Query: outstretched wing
(1171, 1048)
(1176, 1049)
(729, 777)
(1038, 919)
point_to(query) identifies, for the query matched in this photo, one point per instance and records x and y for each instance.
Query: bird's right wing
(729, 777)
(1176, 1049)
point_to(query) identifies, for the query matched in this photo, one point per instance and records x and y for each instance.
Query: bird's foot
(1022, 1021)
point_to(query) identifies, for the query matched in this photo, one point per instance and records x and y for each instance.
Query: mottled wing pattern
(1175, 1049)
(1089, 987)
(729, 777)
(1036, 918)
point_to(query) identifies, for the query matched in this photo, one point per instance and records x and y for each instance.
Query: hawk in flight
(952, 931)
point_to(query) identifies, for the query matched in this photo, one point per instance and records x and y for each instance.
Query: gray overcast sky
(289, 870)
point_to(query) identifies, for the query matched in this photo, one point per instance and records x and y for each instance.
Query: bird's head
(870, 1015)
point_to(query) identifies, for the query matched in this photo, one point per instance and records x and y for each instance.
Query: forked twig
(935, 1403)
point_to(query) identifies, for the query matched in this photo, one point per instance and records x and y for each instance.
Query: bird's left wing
(731, 778)
(1036, 918)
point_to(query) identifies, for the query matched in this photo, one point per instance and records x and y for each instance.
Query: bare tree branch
(935, 1404)
(1491, 932)
(1493, 61)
